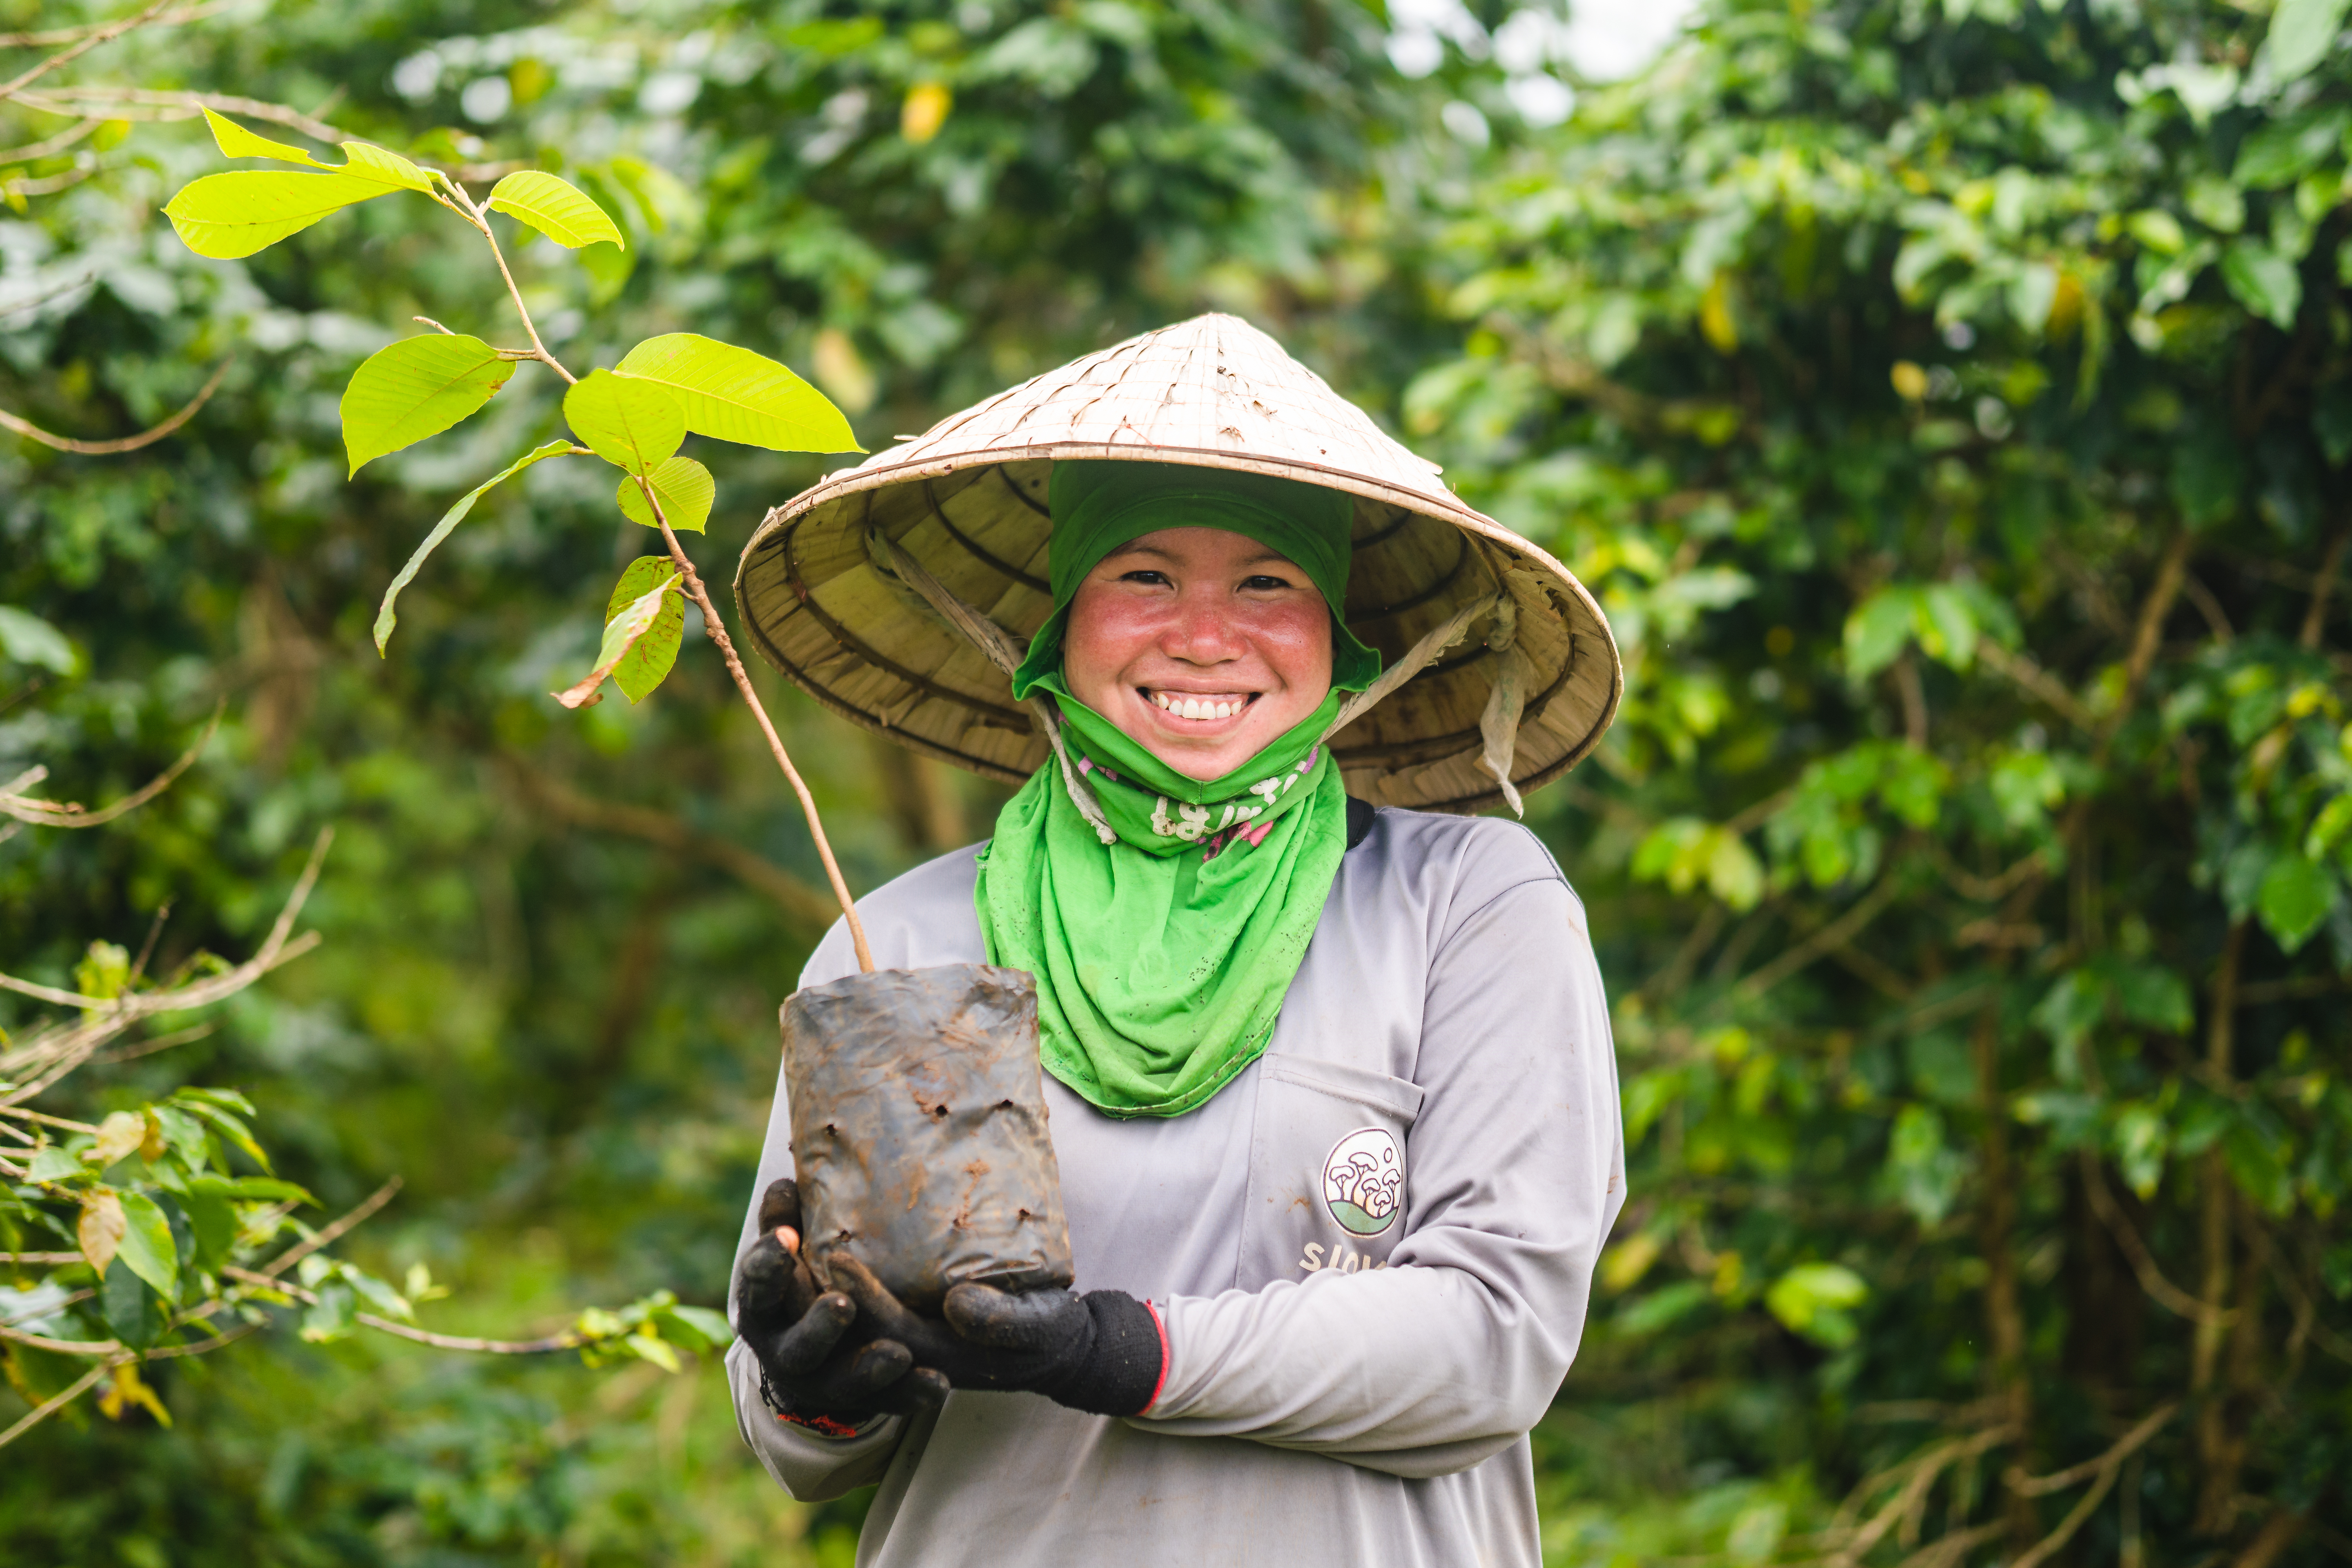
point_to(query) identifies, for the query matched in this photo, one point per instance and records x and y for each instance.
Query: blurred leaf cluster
(1948, 400)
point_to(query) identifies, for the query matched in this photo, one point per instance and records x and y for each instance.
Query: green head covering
(1099, 504)
(1164, 939)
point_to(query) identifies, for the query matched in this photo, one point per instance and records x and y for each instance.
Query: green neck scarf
(1162, 954)
(1162, 959)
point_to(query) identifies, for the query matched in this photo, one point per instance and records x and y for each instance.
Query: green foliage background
(1949, 404)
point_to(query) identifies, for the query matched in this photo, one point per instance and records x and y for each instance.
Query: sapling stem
(464, 206)
(717, 631)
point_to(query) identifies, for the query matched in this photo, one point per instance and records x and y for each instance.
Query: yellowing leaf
(126, 1391)
(629, 422)
(924, 110)
(100, 1230)
(385, 618)
(1715, 315)
(118, 1136)
(414, 388)
(737, 395)
(228, 215)
(556, 209)
(648, 663)
(621, 634)
(682, 485)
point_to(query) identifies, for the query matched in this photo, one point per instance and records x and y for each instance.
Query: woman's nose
(1201, 630)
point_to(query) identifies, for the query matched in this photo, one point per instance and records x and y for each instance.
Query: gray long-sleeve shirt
(1373, 1251)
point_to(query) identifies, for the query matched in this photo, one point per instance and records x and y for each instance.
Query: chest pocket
(1330, 1174)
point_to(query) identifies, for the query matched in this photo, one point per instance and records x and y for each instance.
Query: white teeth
(1196, 707)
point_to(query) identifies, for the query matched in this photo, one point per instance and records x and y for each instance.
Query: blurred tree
(1951, 405)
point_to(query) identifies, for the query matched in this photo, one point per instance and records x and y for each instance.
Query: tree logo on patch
(1363, 1181)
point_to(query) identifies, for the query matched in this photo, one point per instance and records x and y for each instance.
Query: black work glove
(814, 1371)
(1101, 1352)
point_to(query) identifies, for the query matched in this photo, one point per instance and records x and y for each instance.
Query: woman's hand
(797, 1331)
(1102, 1352)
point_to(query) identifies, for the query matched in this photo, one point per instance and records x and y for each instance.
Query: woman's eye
(1263, 583)
(1146, 574)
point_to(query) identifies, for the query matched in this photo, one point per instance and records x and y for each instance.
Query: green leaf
(28, 639)
(235, 142)
(385, 618)
(1811, 1299)
(2301, 33)
(147, 1246)
(231, 1129)
(2154, 995)
(2295, 897)
(2328, 827)
(212, 1219)
(630, 423)
(695, 1328)
(556, 209)
(622, 633)
(55, 1162)
(2284, 151)
(1877, 630)
(416, 388)
(734, 394)
(226, 216)
(682, 485)
(379, 1295)
(252, 1189)
(648, 663)
(2262, 280)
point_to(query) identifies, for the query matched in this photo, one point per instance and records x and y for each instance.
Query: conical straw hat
(830, 599)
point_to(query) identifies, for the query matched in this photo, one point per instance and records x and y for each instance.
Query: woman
(1331, 1086)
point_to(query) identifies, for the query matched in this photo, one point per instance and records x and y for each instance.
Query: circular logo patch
(1363, 1181)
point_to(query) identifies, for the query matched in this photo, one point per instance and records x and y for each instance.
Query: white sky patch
(1609, 40)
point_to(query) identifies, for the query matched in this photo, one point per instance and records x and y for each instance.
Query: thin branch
(46, 295)
(148, 437)
(2105, 1468)
(55, 36)
(2168, 1295)
(2036, 680)
(2315, 618)
(106, 32)
(479, 219)
(2148, 635)
(149, 1047)
(128, 103)
(50, 185)
(804, 904)
(49, 146)
(330, 1234)
(54, 1404)
(1836, 933)
(55, 813)
(49, 1259)
(562, 1342)
(716, 629)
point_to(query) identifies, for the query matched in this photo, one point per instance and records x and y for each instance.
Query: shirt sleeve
(1516, 1172)
(809, 1466)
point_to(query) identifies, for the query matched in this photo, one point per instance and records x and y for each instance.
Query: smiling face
(1202, 646)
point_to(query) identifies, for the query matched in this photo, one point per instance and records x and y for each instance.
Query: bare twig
(53, 37)
(149, 1047)
(56, 814)
(1836, 933)
(105, 32)
(2103, 1469)
(804, 904)
(473, 213)
(330, 1234)
(147, 437)
(46, 295)
(49, 146)
(2036, 680)
(2315, 618)
(51, 1259)
(150, 104)
(2168, 1295)
(562, 1342)
(55, 1403)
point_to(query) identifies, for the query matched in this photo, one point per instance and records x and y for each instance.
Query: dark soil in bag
(918, 1129)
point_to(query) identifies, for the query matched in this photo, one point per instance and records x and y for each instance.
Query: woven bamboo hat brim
(823, 592)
